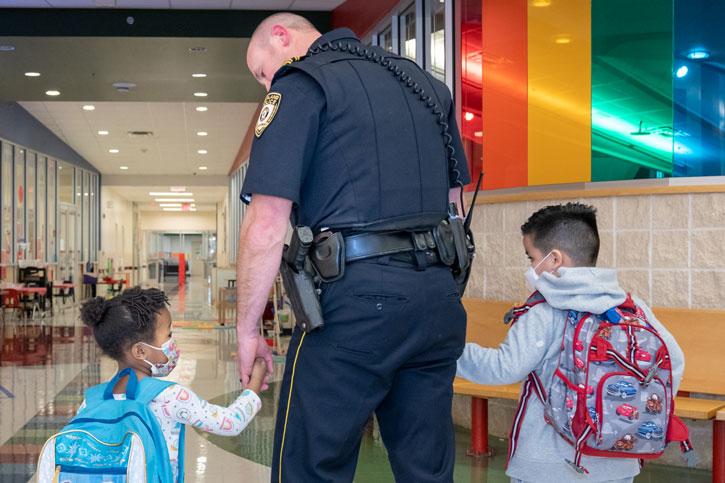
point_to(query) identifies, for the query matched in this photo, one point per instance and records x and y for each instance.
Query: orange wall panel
(505, 74)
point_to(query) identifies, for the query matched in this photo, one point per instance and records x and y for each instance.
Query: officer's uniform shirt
(341, 138)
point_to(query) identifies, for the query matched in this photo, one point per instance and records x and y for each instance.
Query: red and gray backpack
(611, 394)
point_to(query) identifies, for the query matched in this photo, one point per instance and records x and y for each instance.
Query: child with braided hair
(134, 329)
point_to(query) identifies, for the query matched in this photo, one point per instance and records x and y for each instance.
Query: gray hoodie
(533, 343)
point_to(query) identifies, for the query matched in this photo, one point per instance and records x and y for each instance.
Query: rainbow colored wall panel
(576, 91)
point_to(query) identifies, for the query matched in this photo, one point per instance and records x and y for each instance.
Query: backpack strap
(515, 313)
(150, 387)
(532, 386)
(97, 394)
(628, 308)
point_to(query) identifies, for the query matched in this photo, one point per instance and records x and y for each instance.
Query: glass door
(68, 246)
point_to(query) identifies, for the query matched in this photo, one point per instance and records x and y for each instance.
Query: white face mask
(532, 276)
(172, 353)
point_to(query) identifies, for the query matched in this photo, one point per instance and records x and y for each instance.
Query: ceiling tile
(316, 4)
(200, 4)
(142, 4)
(24, 3)
(81, 3)
(261, 4)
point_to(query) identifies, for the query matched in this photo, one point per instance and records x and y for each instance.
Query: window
(30, 205)
(436, 33)
(94, 218)
(42, 199)
(6, 190)
(408, 33)
(78, 190)
(52, 226)
(86, 197)
(65, 183)
(385, 39)
(19, 194)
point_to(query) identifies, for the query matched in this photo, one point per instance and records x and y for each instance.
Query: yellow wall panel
(559, 69)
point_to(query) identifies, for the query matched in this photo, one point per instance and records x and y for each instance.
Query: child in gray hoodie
(562, 243)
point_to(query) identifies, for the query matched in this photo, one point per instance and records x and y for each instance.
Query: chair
(10, 300)
(34, 277)
(65, 289)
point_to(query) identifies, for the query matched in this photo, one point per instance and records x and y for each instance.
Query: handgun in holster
(298, 280)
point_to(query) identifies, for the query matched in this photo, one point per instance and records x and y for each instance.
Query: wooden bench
(699, 333)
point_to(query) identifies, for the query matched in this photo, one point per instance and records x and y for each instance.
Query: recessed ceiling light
(170, 205)
(203, 168)
(198, 75)
(540, 3)
(200, 94)
(174, 200)
(198, 49)
(698, 54)
(162, 193)
(52, 93)
(682, 72)
(7, 48)
(202, 133)
(468, 116)
(124, 168)
(202, 108)
(89, 107)
(32, 74)
(202, 151)
(478, 134)
(562, 39)
(171, 209)
(103, 133)
(113, 151)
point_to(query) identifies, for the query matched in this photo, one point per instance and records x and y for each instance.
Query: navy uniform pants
(389, 347)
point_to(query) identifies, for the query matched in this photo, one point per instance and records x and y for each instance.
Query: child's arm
(523, 350)
(184, 406)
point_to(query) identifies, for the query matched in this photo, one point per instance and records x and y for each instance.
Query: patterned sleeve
(182, 405)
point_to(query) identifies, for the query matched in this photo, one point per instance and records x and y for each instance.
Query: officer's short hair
(571, 228)
(289, 20)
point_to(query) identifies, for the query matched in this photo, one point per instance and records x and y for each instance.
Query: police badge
(269, 109)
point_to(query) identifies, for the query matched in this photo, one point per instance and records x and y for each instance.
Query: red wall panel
(361, 15)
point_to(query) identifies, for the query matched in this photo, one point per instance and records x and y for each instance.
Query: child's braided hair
(122, 321)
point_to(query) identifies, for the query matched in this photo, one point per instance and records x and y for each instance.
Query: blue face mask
(532, 275)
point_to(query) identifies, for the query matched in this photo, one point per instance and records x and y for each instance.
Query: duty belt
(372, 245)
(332, 251)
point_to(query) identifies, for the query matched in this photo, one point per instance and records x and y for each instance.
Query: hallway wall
(176, 222)
(116, 226)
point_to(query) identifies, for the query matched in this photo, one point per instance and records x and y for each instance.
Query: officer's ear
(281, 35)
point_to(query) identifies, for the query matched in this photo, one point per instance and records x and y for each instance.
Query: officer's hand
(250, 348)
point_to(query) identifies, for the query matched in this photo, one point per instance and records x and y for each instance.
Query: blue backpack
(114, 441)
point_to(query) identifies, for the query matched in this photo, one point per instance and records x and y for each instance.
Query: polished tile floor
(45, 367)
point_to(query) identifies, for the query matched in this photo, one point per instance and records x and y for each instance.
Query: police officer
(344, 144)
